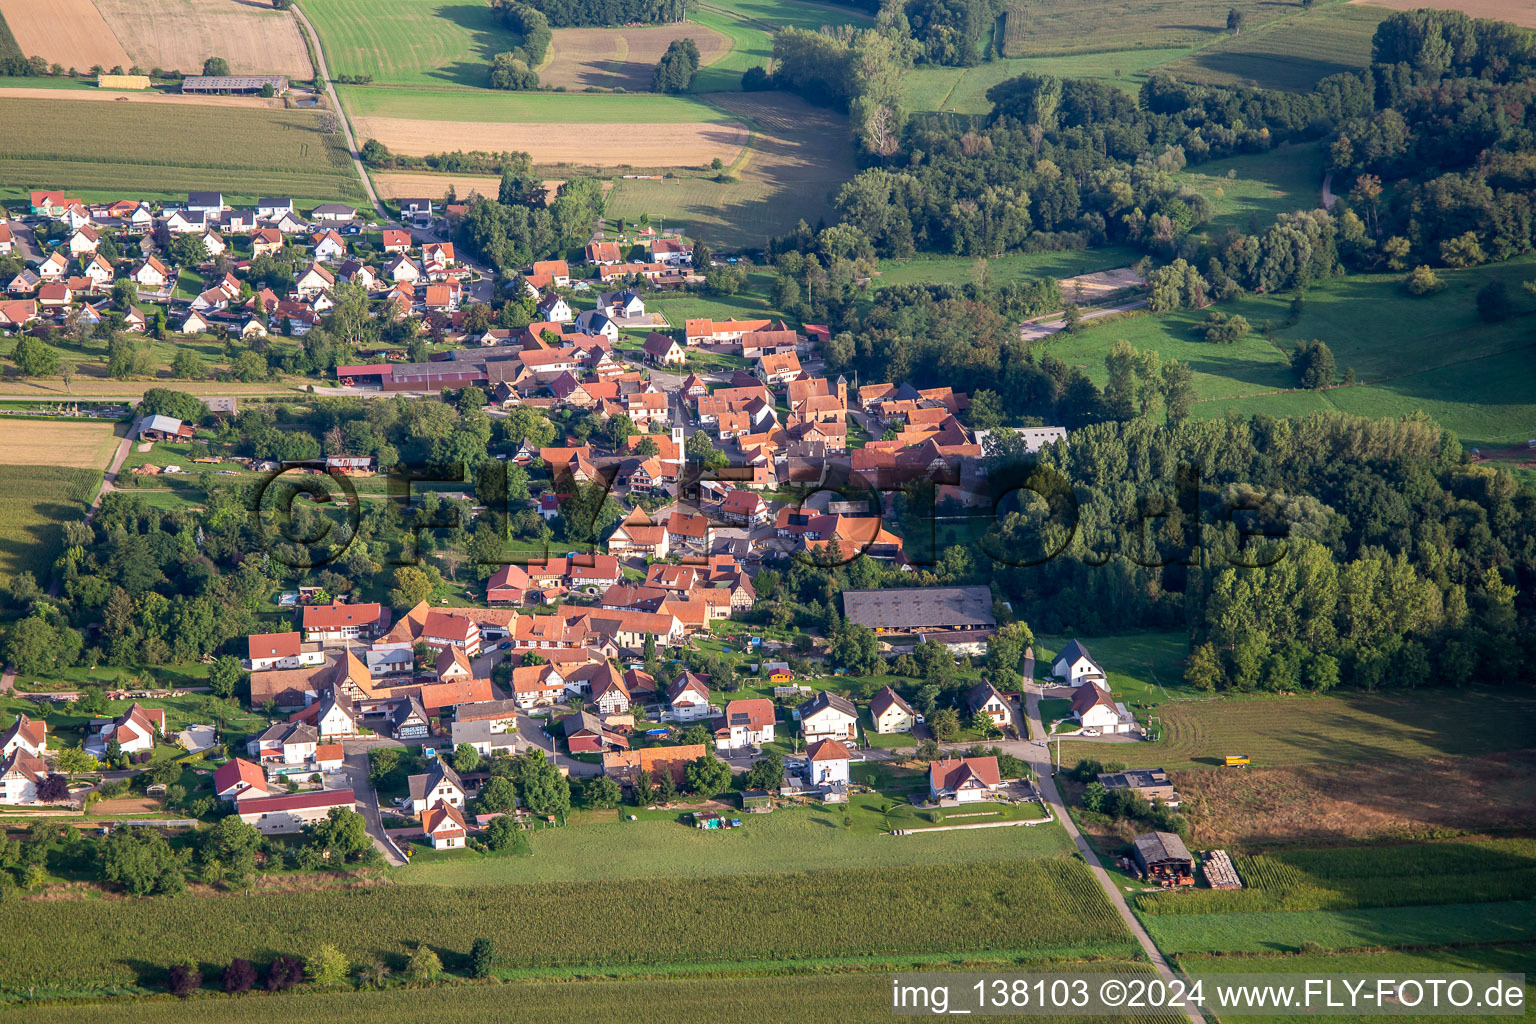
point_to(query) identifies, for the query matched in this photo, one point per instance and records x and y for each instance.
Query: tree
(945, 724)
(1094, 795)
(185, 979)
(1422, 281)
(666, 788)
(412, 586)
(1313, 364)
(546, 792)
(381, 762)
(239, 976)
(225, 675)
(499, 794)
(504, 833)
(216, 66)
(1178, 390)
(482, 957)
(509, 71)
(327, 965)
(73, 760)
(766, 773)
(188, 365)
(465, 758)
(600, 793)
(283, 973)
(1493, 303)
(342, 831)
(33, 358)
(424, 964)
(189, 250)
(142, 862)
(1235, 20)
(232, 845)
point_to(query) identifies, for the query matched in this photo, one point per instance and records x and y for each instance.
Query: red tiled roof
(299, 801)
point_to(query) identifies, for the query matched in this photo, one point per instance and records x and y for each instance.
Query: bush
(482, 957)
(1422, 281)
(509, 71)
(283, 973)
(185, 979)
(1493, 302)
(1223, 329)
(239, 976)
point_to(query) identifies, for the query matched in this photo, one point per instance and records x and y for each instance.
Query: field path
(341, 115)
(1039, 757)
(1034, 330)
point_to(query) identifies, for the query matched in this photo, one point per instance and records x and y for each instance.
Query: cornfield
(1032, 909)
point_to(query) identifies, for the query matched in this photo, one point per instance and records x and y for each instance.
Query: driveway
(355, 767)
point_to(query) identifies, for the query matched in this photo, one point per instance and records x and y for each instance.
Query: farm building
(234, 85)
(1152, 783)
(914, 610)
(1163, 858)
(164, 428)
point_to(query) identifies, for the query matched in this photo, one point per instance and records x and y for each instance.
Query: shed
(1163, 858)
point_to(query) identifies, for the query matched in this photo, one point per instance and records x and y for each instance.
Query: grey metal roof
(919, 607)
(1155, 847)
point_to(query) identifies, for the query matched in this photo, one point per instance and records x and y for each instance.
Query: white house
(1076, 666)
(688, 698)
(284, 743)
(537, 685)
(20, 775)
(826, 764)
(984, 699)
(134, 730)
(439, 784)
(748, 723)
(25, 735)
(213, 243)
(274, 815)
(151, 275)
(238, 779)
(1096, 709)
(282, 650)
(890, 713)
(84, 240)
(554, 309)
(488, 726)
(186, 222)
(963, 780)
(827, 716)
(328, 245)
(444, 826)
(313, 281)
(402, 270)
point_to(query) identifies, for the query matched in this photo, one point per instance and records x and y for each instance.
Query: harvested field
(1291, 54)
(394, 184)
(1521, 12)
(617, 145)
(147, 96)
(29, 442)
(181, 34)
(1033, 27)
(1089, 289)
(69, 32)
(621, 58)
(1393, 799)
(799, 155)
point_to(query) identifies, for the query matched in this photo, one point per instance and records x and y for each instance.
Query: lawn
(411, 42)
(1291, 54)
(1432, 354)
(964, 90)
(1144, 669)
(1249, 191)
(1032, 909)
(1385, 927)
(788, 839)
(165, 149)
(35, 503)
(235, 724)
(1097, 26)
(1003, 269)
(1332, 729)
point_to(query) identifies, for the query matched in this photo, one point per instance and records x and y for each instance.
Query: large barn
(234, 85)
(920, 609)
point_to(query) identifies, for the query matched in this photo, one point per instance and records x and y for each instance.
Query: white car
(1090, 732)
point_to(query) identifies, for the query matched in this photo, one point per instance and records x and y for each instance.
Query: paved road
(356, 769)
(1040, 758)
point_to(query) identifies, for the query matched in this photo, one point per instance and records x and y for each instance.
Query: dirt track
(596, 145)
(68, 32)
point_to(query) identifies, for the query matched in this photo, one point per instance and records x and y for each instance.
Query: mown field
(1098, 26)
(621, 58)
(35, 503)
(1143, 668)
(88, 444)
(1292, 54)
(1322, 730)
(523, 108)
(842, 996)
(1033, 909)
(1002, 269)
(134, 148)
(804, 839)
(409, 42)
(1248, 192)
(1350, 877)
(750, 25)
(1432, 354)
(1373, 928)
(964, 90)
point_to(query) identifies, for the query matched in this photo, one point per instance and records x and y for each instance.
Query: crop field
(1432, 354)
(35, 502)
(1292, 54)
(797, 158)
(750, 25)
(621, 58)
(35, 442)
(619, 145)
(8, 44)
(181, 34)
(1521, 12)
(964, 90)
(1032, 909)
(409, 42)
(1329, 730)
(1490, 870)
(844, 996)
(1376, 927)
(129, 148)
(1095, 26)
(67, 32)
(1392, 799)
